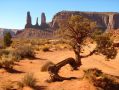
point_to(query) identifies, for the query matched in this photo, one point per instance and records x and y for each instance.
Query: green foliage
(7, 39)
(77, 28)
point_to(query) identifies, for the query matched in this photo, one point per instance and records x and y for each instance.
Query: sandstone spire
(43, 19)
(36, 26)
(37, 21)
(28, 21)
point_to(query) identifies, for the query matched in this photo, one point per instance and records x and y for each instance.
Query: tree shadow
(36, 58)
(40, 87)
(61, 79)
(40, 59)
(14, 71)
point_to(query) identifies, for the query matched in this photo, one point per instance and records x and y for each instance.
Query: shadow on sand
(40, 87)
(14, 71)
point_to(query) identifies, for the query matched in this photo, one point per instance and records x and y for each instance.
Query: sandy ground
(34, 66)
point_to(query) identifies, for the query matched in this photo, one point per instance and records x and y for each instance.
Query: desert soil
(34, 66)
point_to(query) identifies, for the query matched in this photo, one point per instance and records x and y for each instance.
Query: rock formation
(37, 22)
(43, 25)
(36, 26)
(104, 20)
(28, 21)
(43, 19)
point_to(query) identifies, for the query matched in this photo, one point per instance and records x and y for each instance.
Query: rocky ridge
(104, 20)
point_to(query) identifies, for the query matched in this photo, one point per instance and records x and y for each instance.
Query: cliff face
(105, 20)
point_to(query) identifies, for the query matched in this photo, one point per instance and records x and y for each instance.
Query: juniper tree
(76, 30)
(7, 39)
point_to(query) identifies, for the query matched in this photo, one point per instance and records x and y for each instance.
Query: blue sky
(13, 12)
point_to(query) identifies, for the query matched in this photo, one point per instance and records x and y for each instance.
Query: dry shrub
(8, 58)
(45, 49)
(101, 80)
(28, 80)
(7, 61)
(24, 52)
(45, 67)
(3, 51)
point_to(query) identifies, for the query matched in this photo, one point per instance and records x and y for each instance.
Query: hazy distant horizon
(13, 12)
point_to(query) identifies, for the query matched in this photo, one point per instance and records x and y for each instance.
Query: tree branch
(91, 53)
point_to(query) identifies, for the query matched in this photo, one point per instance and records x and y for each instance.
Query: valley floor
(34, 66)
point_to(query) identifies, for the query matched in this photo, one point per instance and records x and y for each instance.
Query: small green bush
(7, 39)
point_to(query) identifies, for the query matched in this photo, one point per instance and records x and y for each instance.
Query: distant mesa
(43, 24)
(104, 20)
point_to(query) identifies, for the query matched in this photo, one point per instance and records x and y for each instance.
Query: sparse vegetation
(101, 80)
(9, 57)
(7, 62)
(24, 52)
(40, 44)
(28, 80)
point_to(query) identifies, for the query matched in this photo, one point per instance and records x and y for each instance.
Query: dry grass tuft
(28, 80)
(101, 80)
(44, 68)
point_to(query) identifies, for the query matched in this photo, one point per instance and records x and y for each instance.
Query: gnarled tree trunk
(74, 63)
(54, 69)
(78, 58)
